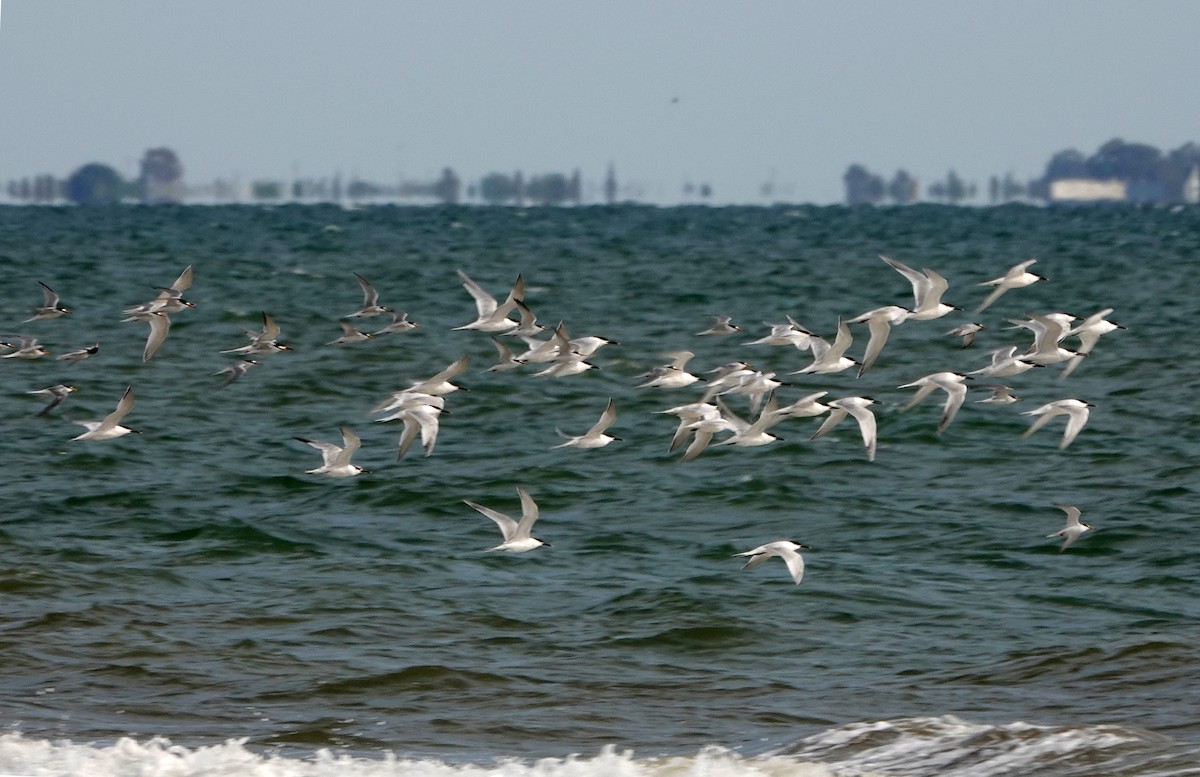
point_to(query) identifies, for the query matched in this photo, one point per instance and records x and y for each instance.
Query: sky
(730, 94)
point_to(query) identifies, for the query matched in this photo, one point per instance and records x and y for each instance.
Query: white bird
(1005, 362)
(1018, 276)
(265, 342)
(56, 393)
(722, 325)
(399, 325)
(830, 358)
(77, 356)
(950, 382)
(879, 322)
(967, 332)
(751, 435)
(755, 385)
(1089, 332)
(350, 335)
(169, 300)
(370, 305)
(528, 325)
(689, 414)
(517, 537)
(51, 307)
(507, 360)
(491, 317)
(790, 333)
(1048, 331)
(237, 370)
(1074, 528)
(928, 287)
(335, 459)
(785, 549)
(595, 437)
(27, 347)
(804, 407)
(110, 426)
(672, 375)
(1001, 395)
(1077, 415)
(402, 400)
(423, 418)
(442, 382)
(860, 408)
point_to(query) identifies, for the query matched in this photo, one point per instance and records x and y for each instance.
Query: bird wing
(123, 407)
(529, 514)
(508, 527)
(485, 304)
(50, 298)
(370, 296)
(607, 418)
(160, 324)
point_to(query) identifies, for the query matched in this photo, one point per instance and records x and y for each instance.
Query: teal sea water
(188, 600)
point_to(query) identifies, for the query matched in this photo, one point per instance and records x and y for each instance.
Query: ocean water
(188, 601)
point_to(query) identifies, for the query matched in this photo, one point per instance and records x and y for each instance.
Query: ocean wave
(948, 746)
(20, 757)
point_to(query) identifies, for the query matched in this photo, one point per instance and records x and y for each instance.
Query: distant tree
(497, 188)
(1011, 188)
(447, 187)
(1068, 163)
(548, 189)
(161, 178)
(956, 190)
(902, 189)
(610, 185)
(862, 186)
(94, 184)
(1125, 161)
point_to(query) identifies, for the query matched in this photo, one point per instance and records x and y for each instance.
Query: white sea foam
(27, 757)
(948, 746)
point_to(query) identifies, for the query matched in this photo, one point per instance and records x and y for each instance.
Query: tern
(57, 393)
(517, 538)
(967, 332)
(169, 300)
(51, 307)
(350, 335)
(1048, 331)
(370, 305)
(722, 325)
(672, 375)
(830, 358)
(1074, 528)
(596, 437)
(399, 325)
(785, 549)
(77, 356)
(1001, 395)
(441, 383)
(927, 287)
(790, 333)
(528, 325)
(879, 322)
(491, 317)
(420, 417)
(1089, 333)
(235, 371)
(688, 415)
(1018, 276)
(860, 408)
(264, 342)
(27, 347)
(336, 459)
(110, 426)
(950, 382)
(1077, 415)
(1005, 362)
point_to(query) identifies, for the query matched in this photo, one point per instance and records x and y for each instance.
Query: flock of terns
(552, 352)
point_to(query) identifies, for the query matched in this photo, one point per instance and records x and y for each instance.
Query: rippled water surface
(193, 582)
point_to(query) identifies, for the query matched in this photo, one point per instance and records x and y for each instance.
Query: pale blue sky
(729, 93)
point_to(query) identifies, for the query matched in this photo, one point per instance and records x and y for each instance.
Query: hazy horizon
(668, 93)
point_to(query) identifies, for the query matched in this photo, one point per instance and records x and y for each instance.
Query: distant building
(1088, 190)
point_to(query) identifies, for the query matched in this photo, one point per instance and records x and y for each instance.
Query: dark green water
(193, 582)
